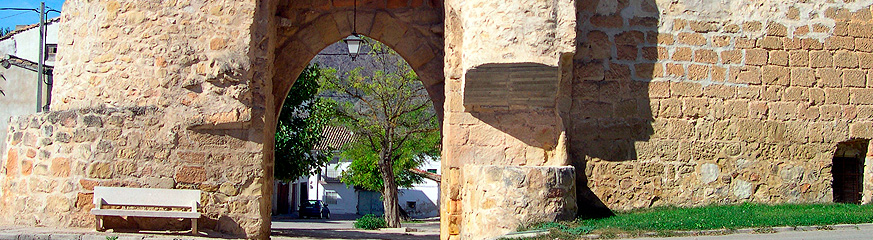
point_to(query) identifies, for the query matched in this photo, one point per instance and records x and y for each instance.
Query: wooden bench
(146, 197)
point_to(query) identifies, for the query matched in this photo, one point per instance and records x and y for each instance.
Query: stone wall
(494, 194)
(508, 66)
(55, 159)
(655, 103)
(716, 102)
(166, 94)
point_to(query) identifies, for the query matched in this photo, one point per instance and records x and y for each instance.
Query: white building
(420, 201)
(19, 56)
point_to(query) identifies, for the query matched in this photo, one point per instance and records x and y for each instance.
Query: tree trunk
(389, 189)
(389, 196)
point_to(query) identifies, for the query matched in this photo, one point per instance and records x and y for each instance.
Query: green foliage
(111, 237)
(665, 220)
(391, 115)
(370, 222)
(300, 126)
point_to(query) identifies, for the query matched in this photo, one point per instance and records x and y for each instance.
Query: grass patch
(663, 221)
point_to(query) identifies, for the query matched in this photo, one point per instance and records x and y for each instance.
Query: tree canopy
(394, 121)
(299, 130)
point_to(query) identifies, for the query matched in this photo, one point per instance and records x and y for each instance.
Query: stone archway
(185, 94)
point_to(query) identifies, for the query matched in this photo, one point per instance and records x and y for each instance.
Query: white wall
(347, 203)
(425, 195)
(19, 85)
(26, 44)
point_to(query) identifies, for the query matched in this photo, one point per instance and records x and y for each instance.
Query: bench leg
(194, 230)
(99, 223)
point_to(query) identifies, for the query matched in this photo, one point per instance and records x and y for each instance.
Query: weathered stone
(708, 173)
(60, 167)
(229, 189)
(190, 175)
(92, 121)
(742, 189)
(100, 170)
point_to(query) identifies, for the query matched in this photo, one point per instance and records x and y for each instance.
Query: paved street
(862, 232)
(343, 228)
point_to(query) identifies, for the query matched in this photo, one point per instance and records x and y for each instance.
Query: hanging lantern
(354, 42)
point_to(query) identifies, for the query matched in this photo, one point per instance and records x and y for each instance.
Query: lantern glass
(354, 43)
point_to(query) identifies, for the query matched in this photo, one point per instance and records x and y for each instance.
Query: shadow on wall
(421, 207)
(611, 109)
(224, 227)
(515, 99)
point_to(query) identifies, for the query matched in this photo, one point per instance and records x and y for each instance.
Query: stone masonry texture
(652, 103)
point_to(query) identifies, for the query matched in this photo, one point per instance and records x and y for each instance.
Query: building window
(51, 50)
(332, 171)
(331, 197)
(432, 170)
(410, 205)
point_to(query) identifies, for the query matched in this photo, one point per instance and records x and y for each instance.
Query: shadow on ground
(352, 234)
(343, 228)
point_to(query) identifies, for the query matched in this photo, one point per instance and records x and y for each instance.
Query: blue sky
(8, 19)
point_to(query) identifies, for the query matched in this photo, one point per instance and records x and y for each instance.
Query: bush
(370, 222)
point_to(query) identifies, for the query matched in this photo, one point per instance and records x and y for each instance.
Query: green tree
(299, 129)
(394, 121)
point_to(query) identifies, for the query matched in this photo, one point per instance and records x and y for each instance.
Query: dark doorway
(282, 202)
(847, 180)
(848, 171)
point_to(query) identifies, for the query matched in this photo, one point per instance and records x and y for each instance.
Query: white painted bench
(146, 197)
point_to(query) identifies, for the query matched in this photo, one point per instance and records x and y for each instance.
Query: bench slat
(141, 213)
(153, 197)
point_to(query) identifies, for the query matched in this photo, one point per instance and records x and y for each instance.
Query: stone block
(854, 78)
(861, 30)
(756, 57)
(705, 56)
(802, 77)
(864, 44)
(775, 75)
(60, 167)
(492, 193)
(732, 56)
(698, 72)
(745, 43)
(9, 236)
(811, 44)
(798, 58)
(861, 96)
(770, 43)
(33, 236)
(839, 43)
(191, 175)
(62, 236)
(829, 77)
(101, 170)
(846, 59)
(677, 70)
(721, 41)
(752, 26)
(749, 75)
(836, 95)
(694, 39)
(798, 94)
(776, 29)
(686, 89)
(865, 60)
(778, 57)
(682, 54)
